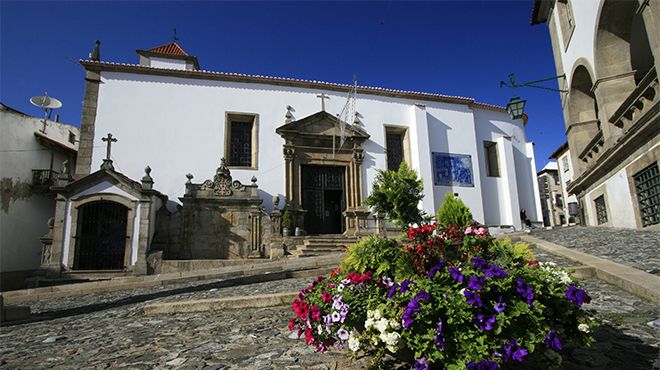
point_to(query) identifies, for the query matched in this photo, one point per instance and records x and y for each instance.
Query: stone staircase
(317, 245)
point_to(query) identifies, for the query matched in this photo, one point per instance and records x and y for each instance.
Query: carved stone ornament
(221, 184)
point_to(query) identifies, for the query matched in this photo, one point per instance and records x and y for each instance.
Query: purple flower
(514, 352)
(484, 322)
(439, 338)
(435, 269)
(423, 295)
(499, 305)
(473, 298)
(392, 291)
(456, 274)
(342, 334)
(479, 263)
(404, 286)
(525, 291)
(422, 364)
(413, 307)
(577, 296)
(552, 340)
(476, 282)
(483, 365)
(495, 271)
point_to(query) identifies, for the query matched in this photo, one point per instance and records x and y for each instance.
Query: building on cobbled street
(565, 171)
(552, 199)
(34, 153)
(314, 148)
(609, 52)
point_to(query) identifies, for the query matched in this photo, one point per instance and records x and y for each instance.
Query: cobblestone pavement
(639, 249)
(109, 330)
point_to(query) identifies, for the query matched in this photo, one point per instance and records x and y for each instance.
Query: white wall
(24, 213)
(176, 126)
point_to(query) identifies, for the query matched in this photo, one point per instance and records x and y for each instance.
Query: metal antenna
(174, 37)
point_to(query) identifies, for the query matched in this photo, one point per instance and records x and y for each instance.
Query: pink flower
(480, 231)
(468, 230)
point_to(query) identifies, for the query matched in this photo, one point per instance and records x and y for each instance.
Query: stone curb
(275, 270)
(635, 281)
(220, 304)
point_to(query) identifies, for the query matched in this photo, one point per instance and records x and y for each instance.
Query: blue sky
(456, 48)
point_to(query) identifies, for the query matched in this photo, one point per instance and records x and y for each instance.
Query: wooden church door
(323, 198)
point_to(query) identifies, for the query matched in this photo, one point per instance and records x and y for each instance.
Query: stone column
(140, 267)
(289, 154)
(54, 267)
(359, 214)
(87, 122)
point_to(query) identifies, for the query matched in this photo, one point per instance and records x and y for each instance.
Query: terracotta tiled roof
(171, 49)
(240, 77)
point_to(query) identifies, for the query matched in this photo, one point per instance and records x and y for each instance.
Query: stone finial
(95, 55)
(189, 177)
(276, 201)
(107, 165)
(147, 180)
(254, 180)
(356, 120)
(288, 116)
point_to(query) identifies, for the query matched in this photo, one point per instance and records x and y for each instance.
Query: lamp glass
(516, 107)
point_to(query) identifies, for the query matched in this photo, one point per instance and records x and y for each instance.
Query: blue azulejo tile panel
(452, 169)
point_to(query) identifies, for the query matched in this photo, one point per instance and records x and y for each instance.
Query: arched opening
(641, 56)
(613, 38)
(101, 236)
(582, 101)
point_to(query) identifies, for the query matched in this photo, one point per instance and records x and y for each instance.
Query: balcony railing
(638, 103)
(43, 178)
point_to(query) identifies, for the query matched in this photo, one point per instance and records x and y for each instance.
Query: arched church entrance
(101, 236)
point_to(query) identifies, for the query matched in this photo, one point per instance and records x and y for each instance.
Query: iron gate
(323, 199)
(101, 236)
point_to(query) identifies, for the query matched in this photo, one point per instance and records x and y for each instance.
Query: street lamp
(516, 107)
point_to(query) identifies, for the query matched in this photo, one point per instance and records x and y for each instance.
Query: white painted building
(30, 161)
(609, 52)
(565, 169)
(167, 113)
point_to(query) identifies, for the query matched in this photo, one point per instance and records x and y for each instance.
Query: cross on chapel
(322, 96)
(109, 139)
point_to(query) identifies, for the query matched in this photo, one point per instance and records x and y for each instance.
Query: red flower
(326, 297)
(292, 324)
(316, 314)
(309, 338)
(533, 263)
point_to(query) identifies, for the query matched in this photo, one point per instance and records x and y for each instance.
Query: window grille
(240, 151)
(647, 184)
(394, 150)
(601, 210)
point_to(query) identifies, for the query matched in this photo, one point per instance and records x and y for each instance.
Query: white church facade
(285, 135)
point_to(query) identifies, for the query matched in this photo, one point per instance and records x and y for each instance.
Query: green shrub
(454, 212)
(384, 257)
(396, 194)
(287, 220)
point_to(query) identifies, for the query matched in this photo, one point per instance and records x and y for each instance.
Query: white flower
(335, 316)
(394, 325)
(583, 328)
(319, 329)
(340, 287)
(377, 314)
(461, 291)
(368, 323)
(390, 339)
(381, 325)
(353, 344)
(391, 348)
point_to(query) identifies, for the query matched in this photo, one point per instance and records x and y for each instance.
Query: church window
(395, 147)
(566, 21)
(492, 161)
(601, 210)
(647, 184)
(240, 140)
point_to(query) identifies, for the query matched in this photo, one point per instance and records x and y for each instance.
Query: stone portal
(323, 189)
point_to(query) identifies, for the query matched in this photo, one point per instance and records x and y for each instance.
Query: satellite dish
(46, 103)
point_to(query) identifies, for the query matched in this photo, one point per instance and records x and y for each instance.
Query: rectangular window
(492, 160)
(647, 184)
(601, 210)
(396, 146)
(559, 201)
(241, 140)
(564, 163)
(72, 137)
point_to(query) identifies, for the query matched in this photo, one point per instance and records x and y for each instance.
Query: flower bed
(445, 297)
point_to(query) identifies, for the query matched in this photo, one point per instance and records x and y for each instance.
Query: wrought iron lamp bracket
(512, 83)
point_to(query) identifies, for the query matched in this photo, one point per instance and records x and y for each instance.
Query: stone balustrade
(640, 102)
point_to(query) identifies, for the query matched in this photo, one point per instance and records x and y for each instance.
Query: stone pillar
(46, 248)
(357, 215)
(140, 267)
(289, 154)
(87, 122)
(54, 266)
(255, 234)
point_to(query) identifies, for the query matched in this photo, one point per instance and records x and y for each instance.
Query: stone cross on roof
(109, 139)
(322, 96)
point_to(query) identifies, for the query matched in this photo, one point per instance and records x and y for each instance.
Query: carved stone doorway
(323, 197)
(323, 174)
